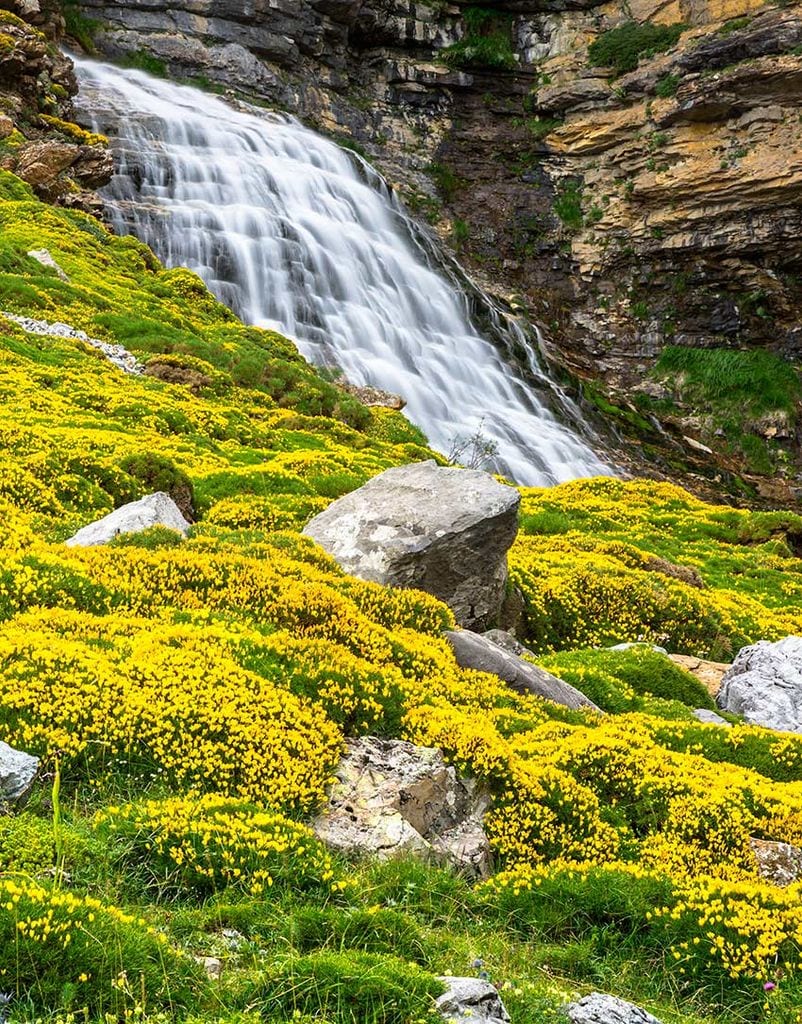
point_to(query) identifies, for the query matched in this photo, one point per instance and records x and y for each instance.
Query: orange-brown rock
(709, 673)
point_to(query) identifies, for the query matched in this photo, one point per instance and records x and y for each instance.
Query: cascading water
(293, 234)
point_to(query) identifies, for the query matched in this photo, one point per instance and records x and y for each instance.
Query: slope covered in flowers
(190, 699)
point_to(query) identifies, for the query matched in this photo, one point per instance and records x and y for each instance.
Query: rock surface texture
(778, 863)
(392, 798)
(598, 1008)
(487, 655)
(445, 531)
(18, 771)
(471, 1001)
(764, 684)
(709, 717)
(157, 509)
(709, 673)
(627, 208)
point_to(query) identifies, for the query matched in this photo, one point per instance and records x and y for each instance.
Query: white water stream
(294, 234)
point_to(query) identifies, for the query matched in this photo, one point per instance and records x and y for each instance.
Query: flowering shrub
(55, 943)
(209, 842)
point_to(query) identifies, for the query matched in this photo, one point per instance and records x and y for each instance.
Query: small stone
(212, 965)
(18, 772)
(471, 1000)
(778, 863)
(157, 509)
(710, 717)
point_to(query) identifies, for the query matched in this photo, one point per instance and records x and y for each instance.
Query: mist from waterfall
(295, 234)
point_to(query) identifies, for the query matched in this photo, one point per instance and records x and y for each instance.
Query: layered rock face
(38, 142)
(637, 192)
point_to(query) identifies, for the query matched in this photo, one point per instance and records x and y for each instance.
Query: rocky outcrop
(709, 673)
(157, 509)
(599, 1008)
(38, 141)
(392, 798)
(18, 772)
(484, 654)
(471, 1001)
(445, 531)
(778, 863)
(118, 355)
(764, 684)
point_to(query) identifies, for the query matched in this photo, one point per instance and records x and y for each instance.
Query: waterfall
(295, 234)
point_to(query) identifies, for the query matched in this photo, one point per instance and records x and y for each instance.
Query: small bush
(374, 930)
(667, 86)
(621, 48)
(487, 42)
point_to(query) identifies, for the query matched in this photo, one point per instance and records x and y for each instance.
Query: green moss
(622, 48)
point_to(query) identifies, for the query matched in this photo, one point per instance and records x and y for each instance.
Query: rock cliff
(38, 141)
(627, 173)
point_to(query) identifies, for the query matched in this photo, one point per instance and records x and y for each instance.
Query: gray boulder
(442, 530)
(157, 509)
(598, 1008)
(18, 772)
(471, 1000)
(487, 655)
(710, 717)
(392, 798)
(764, 684)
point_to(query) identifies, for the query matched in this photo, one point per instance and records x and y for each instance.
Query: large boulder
(157, 509)
(599, 1008)
(445, 531)
(471, 1001)
(392, 798)
(486, 654)
(764, 684)
(18, 771)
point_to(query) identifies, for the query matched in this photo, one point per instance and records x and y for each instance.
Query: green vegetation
(446, 179)
(487, 42)
(78, 26)
(667, 86)
(144, 61)
(568, 205)
(621, 48)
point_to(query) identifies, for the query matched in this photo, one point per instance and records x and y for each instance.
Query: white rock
(157, 509)
(598, 1008)
(778, 863)
(44, 257)
(442, 530)
(764, 684)
(18, 771)
(392, 798)
(116, 354)
(710, 717)
(471, 1001)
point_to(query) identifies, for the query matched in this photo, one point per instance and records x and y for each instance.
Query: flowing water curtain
(290, 232)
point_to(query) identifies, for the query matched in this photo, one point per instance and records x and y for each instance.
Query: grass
(487, 43)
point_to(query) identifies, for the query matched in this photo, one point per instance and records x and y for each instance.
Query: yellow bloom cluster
(212, 841)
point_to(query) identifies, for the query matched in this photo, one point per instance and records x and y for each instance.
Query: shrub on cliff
(621, 48)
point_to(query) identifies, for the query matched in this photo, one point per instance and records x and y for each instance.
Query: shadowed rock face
(764, 684)
(445, 531)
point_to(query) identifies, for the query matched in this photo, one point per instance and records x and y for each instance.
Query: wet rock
(157, 509)
(18, 772)
(487, 655)
(709, 673)
(764, 684)
(710, 717)
(442, 530)
(778, 863)
(392, 798)
(472, 1001)
(599, 1008)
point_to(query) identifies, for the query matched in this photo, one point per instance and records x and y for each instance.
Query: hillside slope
(190, 698)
